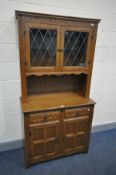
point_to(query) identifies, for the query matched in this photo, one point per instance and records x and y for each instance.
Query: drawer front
(44, 117)
(77, 112)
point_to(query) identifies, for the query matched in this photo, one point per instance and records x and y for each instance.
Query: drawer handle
(45, 118)
(60, 49)
(77, 114)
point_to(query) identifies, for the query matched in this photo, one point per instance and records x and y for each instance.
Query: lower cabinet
(56, 133)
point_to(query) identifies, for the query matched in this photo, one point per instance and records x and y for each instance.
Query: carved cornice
(56, 17)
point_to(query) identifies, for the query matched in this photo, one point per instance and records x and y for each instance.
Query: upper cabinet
(57, 48)
(55, 44)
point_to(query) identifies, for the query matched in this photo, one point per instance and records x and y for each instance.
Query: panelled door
(75, 48)
(42, 43)
(44, 140)
(75, 132)
(51, 136)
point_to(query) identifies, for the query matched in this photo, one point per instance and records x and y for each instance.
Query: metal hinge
(30, 155)
(89, 62)
(91, 36)
(25, 62)
(24, 32)
(30, 134)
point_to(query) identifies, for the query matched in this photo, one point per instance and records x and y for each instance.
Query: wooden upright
(56, 60)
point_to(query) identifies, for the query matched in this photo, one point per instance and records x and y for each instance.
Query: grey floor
(100, 160)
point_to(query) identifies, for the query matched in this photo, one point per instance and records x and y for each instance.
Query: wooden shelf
(55, 101)
(55, 73)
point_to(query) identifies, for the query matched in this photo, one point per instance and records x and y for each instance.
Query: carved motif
(72, 113)
(44, 117)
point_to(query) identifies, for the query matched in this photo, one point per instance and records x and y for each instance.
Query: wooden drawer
(44, 117)
(77, 112)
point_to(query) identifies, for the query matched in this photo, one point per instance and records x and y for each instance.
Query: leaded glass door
(75, 48)
(42, 45)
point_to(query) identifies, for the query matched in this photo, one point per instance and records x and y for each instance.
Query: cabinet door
(75, 48)
(75, 133)
(42, 43)
(44, 140)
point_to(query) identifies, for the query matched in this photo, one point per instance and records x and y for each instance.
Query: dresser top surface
(55, 101)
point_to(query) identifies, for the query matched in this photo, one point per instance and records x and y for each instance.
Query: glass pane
(42, 47)
(75, 44)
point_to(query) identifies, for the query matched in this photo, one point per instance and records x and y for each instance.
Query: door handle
(60, 49)
(65, 138)
(56, 140)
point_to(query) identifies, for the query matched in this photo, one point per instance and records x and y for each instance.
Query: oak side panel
(27, 140)
(92, 50)
(89, 128)
(22, 57)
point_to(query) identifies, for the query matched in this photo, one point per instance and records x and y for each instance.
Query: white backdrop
(103, 87)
